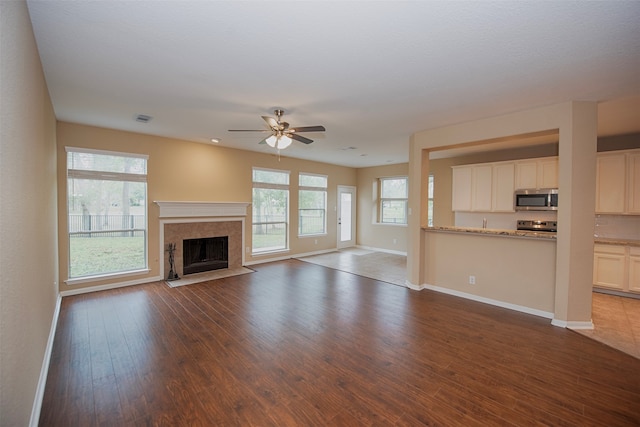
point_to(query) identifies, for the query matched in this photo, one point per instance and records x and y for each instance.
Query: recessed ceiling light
(348, 148)
(143, 118)
(215, 140)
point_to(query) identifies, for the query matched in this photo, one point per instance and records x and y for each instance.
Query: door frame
(352, 242)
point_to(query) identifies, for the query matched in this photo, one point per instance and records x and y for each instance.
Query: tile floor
(616, 319)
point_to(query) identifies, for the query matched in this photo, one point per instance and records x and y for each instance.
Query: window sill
(267, 253)
(391, 224)
(98, 277)
(304, 236)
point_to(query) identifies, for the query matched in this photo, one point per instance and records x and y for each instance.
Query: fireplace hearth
(205, 254)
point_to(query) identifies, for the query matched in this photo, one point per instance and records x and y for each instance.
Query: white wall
(28, 227)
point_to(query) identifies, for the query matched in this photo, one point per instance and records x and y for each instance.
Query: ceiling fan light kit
(279, 142)
(282, 135)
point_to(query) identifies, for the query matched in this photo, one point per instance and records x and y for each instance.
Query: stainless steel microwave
(538, 199)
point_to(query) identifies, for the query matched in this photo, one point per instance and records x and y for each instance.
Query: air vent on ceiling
(143, 118)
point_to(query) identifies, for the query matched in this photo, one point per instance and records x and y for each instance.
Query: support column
(576, 213)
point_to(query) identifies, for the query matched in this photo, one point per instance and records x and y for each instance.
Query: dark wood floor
(297, 344)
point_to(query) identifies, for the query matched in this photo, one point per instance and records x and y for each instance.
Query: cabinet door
(482, 188)
(461, 189)
(547, 173)
(503, 187)
(526, 175)
(633, 183)
(608, 270)
(610, 183)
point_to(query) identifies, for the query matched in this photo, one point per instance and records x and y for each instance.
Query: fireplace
(184, 221)
(205, 254)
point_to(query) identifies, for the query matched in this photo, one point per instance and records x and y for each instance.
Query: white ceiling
(372, 73)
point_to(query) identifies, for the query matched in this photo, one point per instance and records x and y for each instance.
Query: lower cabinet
(616, 267)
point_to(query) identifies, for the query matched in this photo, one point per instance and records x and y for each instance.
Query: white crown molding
(201, 209)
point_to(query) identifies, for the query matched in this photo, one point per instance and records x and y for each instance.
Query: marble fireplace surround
(192, 220)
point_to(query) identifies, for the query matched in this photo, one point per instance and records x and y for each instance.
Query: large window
(270, 219)
(107, 212)
(312, 202)
(430, 202)
(393, 200)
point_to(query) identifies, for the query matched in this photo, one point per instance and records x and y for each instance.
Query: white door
(346, 216)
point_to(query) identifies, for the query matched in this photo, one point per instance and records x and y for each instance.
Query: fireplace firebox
(205, 254)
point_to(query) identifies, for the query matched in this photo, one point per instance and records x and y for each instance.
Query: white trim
(515, 307)
(110, 286)
(201, 209)
(572, 324)
(44, 371)
(413, 287)
(388, 251)
(189, 221)
(105, 152)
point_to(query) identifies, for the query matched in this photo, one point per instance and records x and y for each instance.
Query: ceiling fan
(281, 134)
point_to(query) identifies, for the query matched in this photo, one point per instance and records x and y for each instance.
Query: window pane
(311, 218)
(270, 207)
(394, 188)
(313, 181)
(394, 211)
(106, 163)
(107, 226)
(270, 177)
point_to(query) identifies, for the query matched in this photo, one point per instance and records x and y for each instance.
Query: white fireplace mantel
(201, 209)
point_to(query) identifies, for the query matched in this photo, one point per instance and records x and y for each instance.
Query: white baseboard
(44, 371)
(388, 251)
(515, 307)
(572, 324)
(109, 286)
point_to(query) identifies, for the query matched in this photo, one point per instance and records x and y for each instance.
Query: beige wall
(28, 292)
(188, 171)
(576, 123)
(370, 232)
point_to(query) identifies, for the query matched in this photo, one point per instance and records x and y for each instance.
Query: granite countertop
(496, 232)
(622, 242)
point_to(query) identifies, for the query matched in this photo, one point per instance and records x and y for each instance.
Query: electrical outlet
(472, 280)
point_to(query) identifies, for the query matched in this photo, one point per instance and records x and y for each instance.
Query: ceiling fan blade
(264, 141)
(308, 129)
(299, 138)
(273, 123)
(249, 130)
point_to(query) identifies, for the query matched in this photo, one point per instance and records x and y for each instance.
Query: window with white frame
(107, 212)
(393, 200)
(270, 210)
(312, 204)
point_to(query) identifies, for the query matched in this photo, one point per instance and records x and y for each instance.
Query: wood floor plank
(297, 344)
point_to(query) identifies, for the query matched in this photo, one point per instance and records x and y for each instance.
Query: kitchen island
(509, 268)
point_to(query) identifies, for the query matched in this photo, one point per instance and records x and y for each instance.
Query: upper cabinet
(536, 173)
(486, 187)
(618, 182)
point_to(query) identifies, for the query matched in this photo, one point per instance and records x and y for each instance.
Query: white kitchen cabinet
(482, 197)
(503, 186)
(610, 183)
(461, 188)
(486, 187)
(609, 266)
(633, 182)
(547, 176)
(634, 269)
(536, 173)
